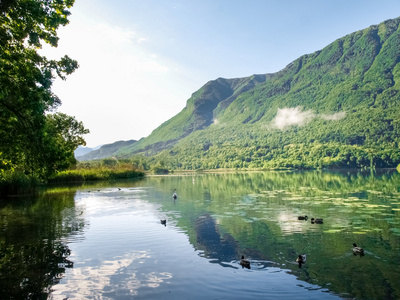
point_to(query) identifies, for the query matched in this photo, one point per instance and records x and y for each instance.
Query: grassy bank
(80, 175)
(13, 182)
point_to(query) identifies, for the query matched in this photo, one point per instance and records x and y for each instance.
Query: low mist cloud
(334, 117)
(295, 116)
(286, 117)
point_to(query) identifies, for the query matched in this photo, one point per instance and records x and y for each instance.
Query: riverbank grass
(79, 175)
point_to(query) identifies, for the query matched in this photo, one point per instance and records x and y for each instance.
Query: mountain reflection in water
(68, 242)
(223, 249)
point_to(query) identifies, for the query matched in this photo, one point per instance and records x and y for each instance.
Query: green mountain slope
(199, 112)
(105, 151)
(335, 107)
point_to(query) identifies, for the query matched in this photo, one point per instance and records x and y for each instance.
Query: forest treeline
(36, 142)
(335, 108)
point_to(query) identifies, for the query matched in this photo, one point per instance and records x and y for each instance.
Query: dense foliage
(106, 169)
(337, 107)
(33, 142)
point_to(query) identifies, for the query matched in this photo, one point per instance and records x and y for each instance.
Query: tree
(62, 135)
(25, 86)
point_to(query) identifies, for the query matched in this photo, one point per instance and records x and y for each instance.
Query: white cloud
(141, 40)
(294, 116)
(120, 91)
(334, 117)
(287, 117)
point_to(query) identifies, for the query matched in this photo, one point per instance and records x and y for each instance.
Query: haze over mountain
(344, 97)
(102, 151)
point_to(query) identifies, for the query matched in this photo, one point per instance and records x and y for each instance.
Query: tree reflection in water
(33, 256)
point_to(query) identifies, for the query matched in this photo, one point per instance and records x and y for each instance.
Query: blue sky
(140, 60)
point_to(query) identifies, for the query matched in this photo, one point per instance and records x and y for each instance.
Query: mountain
(338, 106)
(198, 114)
(104, 151)
(81, 150)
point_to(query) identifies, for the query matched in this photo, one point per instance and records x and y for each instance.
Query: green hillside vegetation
(337, 107)
(105, 150)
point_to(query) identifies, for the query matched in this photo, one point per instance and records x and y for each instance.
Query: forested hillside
(105, 150)
(337, 107)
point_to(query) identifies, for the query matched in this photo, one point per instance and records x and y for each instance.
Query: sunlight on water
(109, 241)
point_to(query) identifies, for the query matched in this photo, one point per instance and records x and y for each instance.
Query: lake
(106, 240)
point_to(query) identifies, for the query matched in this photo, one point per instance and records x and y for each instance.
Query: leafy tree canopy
(28, 136)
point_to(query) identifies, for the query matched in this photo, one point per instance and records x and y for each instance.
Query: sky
(141, 60)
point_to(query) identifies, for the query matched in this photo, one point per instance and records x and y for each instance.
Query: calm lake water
(106, 240)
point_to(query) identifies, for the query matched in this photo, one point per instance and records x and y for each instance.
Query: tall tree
(26, 79)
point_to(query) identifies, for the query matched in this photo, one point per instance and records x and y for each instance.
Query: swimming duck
(164, 222)
(244, 263)
(174, 195)
(357, 250)
(302, 218)
(301, 259)
(317, 221)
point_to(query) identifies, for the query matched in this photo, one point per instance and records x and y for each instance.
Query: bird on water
(244, 262)
(357, 250)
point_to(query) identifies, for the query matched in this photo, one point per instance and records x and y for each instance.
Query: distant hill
(103, 152)
(81, 150)
(338, 106)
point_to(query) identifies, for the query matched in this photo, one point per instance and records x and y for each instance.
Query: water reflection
(109, 243)
(110, 278)
(33, 256)
(215, 246)
(257, 214)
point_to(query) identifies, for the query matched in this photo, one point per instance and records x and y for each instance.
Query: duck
(317, 221)
(163, 222)
(244, 262)
(174, 195)
(301, 259)
(302, 218)
(357, 250)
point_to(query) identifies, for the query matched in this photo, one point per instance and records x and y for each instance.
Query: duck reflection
(301, 259)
